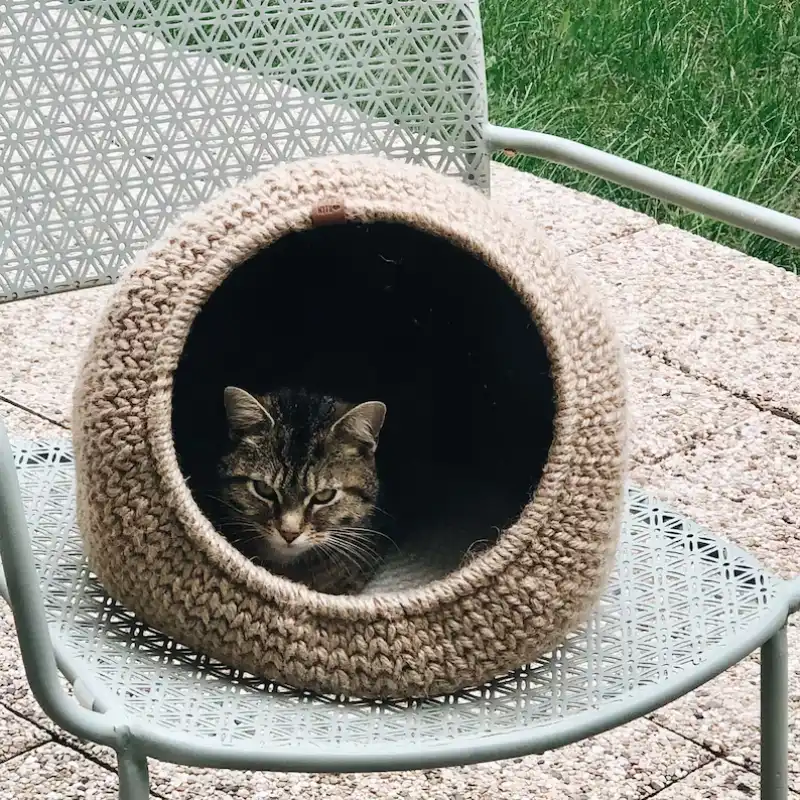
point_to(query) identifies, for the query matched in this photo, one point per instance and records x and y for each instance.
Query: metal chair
(116, 116)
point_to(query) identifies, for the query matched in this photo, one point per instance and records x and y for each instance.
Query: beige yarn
(156, 553)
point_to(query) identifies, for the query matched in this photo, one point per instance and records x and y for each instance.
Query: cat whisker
(224, 502)
(352, 554)
(357, 530)
(243, 532)
(257, 537)
(367, 533)
(242, 527)
(243, 524)
(362, 553)
(343, 564)
(352, 537)
(332, 555)
(383, 511)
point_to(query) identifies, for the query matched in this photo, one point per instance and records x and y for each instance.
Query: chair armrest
(20, 584)
(733, 210)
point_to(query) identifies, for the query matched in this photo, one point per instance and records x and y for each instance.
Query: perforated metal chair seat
(679, 605)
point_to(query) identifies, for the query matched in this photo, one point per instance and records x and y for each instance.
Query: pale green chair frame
(645, 660)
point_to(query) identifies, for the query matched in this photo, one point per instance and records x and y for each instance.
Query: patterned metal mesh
(115, 115)
(676, 596)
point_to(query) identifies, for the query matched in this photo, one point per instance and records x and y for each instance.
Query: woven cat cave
(502, 447)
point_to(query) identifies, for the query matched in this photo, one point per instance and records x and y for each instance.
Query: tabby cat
(298, 488)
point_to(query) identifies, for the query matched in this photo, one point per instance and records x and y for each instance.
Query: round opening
(383, 311)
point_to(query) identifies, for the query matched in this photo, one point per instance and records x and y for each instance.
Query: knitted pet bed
(503, 382)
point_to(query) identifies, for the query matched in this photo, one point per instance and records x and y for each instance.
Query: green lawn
(708, 90)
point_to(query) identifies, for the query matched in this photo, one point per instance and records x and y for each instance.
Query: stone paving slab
(738, 484)
(671, 411)
(755, 466)
(773, 538)
(17, 735)
(15, 692)
(723, 715)
(42, 340)
(717, 781)
(20, 422)
(16, 695)
(633, 762)
(54, 772)
(755, 463)
(712, 311)
(572, 220)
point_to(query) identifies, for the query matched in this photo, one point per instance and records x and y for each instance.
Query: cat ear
(363, 423)
(244, 411)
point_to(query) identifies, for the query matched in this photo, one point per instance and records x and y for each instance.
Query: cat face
(300, 475)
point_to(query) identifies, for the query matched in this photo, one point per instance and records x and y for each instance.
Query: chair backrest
(115, 115)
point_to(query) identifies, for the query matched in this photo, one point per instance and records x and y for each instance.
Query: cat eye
(323, 496)
(264, 491)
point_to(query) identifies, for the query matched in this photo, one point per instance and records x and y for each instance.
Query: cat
(297, 488)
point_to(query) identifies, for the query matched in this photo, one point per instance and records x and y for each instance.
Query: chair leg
(775, 718)
(134, 777)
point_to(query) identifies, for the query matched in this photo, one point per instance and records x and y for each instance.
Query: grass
(708, 90)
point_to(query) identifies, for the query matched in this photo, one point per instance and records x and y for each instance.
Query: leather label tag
(329, 212)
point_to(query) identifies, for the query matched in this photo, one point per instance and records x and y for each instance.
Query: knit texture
(156, 553)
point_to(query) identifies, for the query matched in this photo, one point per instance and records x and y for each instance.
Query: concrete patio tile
(42, 340)
(15, 693)
(716, 781)
(771, 536)
(771, 540)
(573, 220)
(16, 735)
(14, 690)
(710, 310)
(723, 715)
(671, 411)
(755, 463)
(53, 772)
(632, 762)
(24, 425)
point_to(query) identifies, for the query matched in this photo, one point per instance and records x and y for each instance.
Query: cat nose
(291, 526)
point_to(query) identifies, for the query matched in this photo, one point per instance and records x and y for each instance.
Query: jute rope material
(155, 552)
